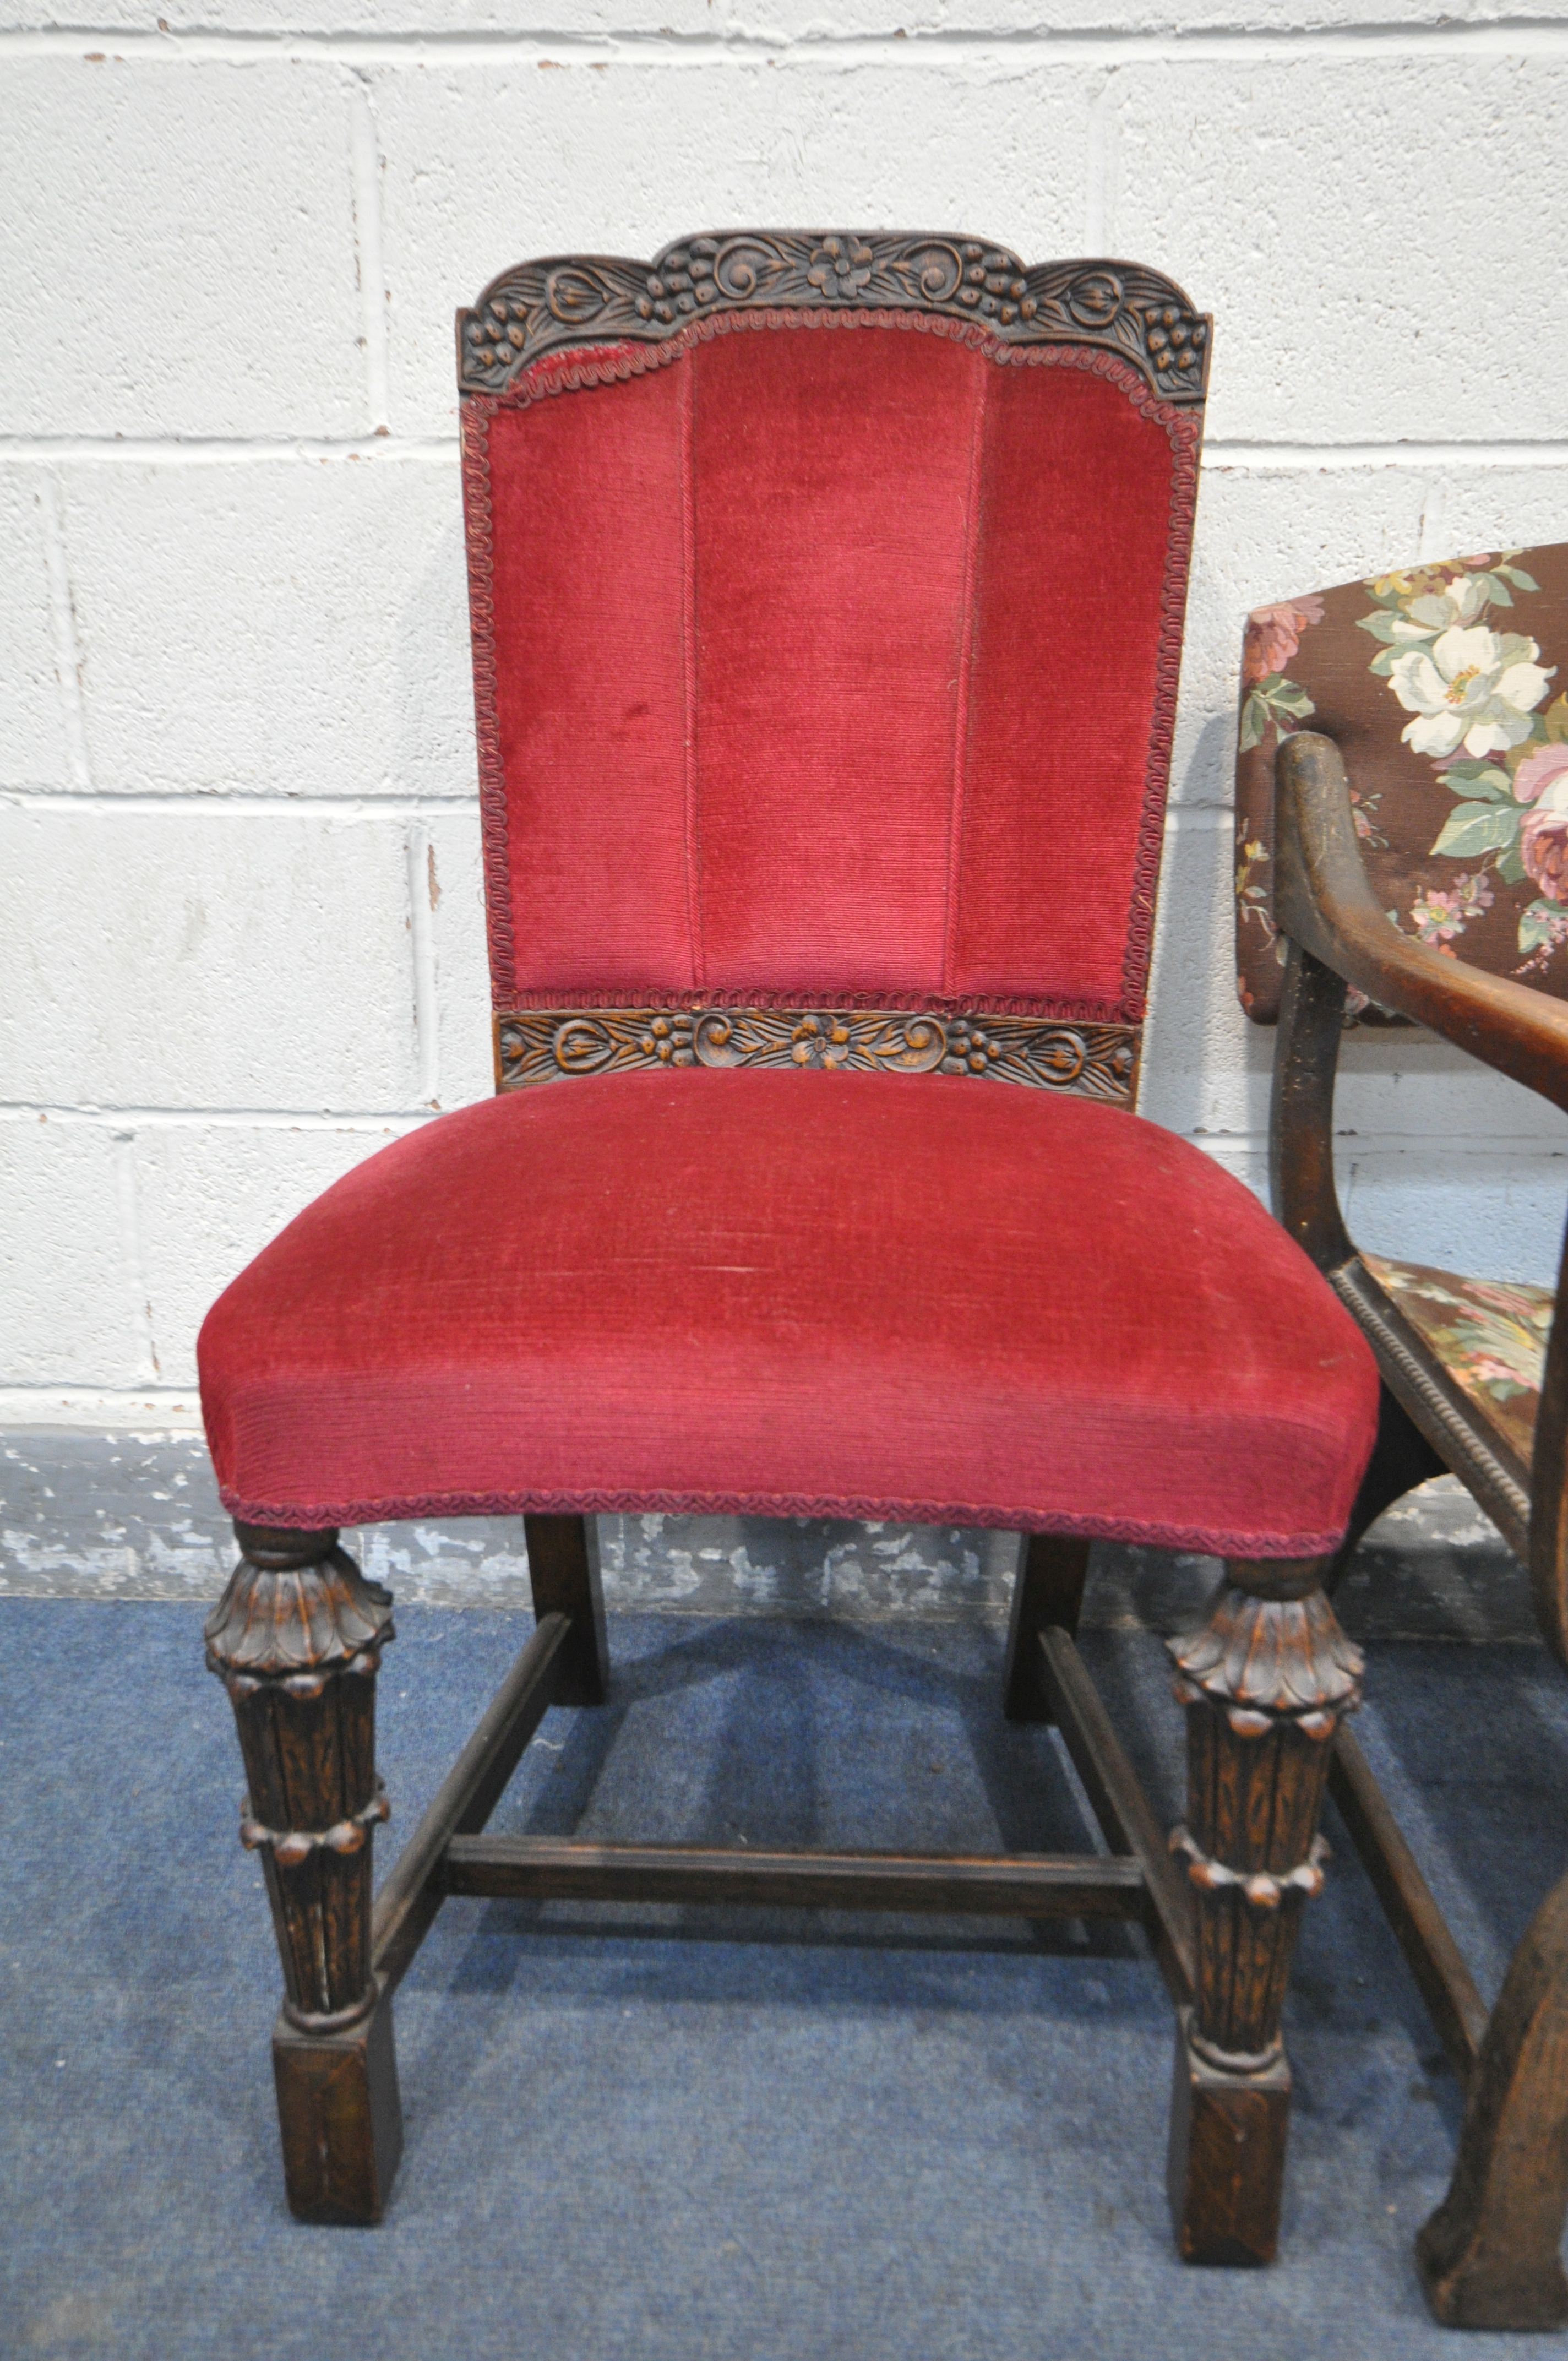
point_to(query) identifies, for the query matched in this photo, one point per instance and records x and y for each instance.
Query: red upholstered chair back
(827, 601)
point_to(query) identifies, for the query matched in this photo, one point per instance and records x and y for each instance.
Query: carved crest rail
(574, 299)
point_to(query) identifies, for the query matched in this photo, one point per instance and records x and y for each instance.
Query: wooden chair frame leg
(1264, 1682)
(1048, 1594)
(564, 1568)
(296, 1640)
(1491, 2255)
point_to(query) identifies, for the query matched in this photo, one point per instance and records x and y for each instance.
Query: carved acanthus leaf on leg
(296, 1640)
(1264, 1681)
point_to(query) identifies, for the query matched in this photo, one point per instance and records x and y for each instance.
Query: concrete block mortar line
(423, 893)
(1282, 457)
(375, 1123)
(1384, 1139)
(1290, 458)
(237, 803)
(226, 451)
(66, 644)
(912, 48)
(366, 167)
(128, 1192)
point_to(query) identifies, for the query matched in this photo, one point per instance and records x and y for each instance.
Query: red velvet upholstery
(781, 1292)
(826, 657)
(822, 657)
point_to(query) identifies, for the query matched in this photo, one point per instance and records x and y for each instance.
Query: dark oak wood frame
(1049, 1053)
(297, 1639)
(563, 301)
(298, 1634)
(1490, 2257)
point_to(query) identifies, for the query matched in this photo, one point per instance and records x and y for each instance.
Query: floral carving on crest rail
(550, 305)
(544, 1045)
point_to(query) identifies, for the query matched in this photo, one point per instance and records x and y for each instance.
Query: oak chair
(1402, 854)
(827, 601)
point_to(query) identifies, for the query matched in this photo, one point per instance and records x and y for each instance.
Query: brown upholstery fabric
(1444, 687)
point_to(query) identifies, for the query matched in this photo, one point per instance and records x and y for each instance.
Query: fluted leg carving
(296, 1640)
(1264, 1682)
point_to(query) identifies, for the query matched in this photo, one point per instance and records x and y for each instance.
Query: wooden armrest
(1322, 901)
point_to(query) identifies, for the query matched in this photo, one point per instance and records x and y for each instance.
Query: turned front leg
(1264, 1682)
(296, 1640)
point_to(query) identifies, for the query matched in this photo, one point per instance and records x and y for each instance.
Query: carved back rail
(553, 304)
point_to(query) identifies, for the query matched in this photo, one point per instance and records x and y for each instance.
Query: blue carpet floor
(726, 2141)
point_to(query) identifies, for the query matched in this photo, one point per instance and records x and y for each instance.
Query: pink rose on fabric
(1543, 839)
(1538, 770)
(1274, 634)
(1440, 916)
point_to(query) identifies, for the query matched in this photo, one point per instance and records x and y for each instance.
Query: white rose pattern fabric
(1473, 689)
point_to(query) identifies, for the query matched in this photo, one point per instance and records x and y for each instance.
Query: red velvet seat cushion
(940, 1301)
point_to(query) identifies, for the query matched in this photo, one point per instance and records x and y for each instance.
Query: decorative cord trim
(480, 519)
(659, 998)
(1186, 434)
(1262, 1887)
(291, 1846)
(400, 1508)
(577, 371)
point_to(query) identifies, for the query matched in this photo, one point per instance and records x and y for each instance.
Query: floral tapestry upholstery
(1444, 687)
(1490, 1335)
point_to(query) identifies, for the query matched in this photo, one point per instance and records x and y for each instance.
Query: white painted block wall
(240, 938)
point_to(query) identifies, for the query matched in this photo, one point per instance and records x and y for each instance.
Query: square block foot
(1227, 2157)
(341, 2118)
(1497, 2282)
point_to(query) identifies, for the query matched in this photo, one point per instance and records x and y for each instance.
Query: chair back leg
(1490, 2257)
(1048, 1590)
(564, 1568)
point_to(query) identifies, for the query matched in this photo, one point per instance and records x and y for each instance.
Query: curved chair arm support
(1337, 935)
(1301, 1110)
(1322, 901)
